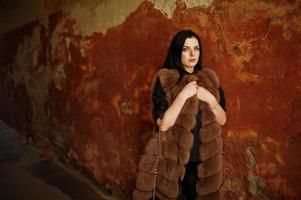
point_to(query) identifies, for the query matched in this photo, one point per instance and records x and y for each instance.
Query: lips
(192, 60)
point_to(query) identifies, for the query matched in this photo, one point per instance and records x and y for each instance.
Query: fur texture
(176, 143)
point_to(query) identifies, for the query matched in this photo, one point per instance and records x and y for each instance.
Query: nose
(192, 53)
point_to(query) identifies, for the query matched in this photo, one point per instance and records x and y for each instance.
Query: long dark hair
(173, 58)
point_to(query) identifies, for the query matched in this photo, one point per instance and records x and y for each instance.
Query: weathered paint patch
(256, 183)
(198, 3)
(252, 160)
(101, 16)
(255, 186)
(249, 133)
(236, 187)
(168, 7)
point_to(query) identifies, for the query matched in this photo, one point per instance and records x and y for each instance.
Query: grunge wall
(76, 74)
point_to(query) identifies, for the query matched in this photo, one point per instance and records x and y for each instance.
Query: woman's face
(190, 54)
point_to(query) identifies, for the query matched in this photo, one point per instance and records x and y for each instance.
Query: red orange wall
(79, 80)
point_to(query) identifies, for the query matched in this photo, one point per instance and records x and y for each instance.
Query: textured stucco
(100, 17)
(16, 13)
(168, 7)
(78, 80)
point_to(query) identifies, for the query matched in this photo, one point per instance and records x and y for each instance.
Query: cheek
(184, 56)
(198, 54)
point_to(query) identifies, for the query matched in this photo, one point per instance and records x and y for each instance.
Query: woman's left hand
(204, 95)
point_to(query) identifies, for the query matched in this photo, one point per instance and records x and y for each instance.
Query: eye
(197, 48)
(185, 49)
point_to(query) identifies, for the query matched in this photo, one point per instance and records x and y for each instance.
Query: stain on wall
(78, 78)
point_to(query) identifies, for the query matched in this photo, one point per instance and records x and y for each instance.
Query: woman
(188, 108)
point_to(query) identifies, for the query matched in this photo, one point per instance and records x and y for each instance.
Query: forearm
(171, 114)
(219, 112)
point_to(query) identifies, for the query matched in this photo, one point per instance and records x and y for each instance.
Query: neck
(189, 69)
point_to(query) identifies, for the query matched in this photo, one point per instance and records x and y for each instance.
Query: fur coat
(177, 142)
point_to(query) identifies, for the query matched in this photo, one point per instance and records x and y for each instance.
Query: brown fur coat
(177, 142)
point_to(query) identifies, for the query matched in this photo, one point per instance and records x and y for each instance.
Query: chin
(191, 65)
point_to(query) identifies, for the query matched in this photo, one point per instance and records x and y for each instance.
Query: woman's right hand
(189, 90)
(172, 112)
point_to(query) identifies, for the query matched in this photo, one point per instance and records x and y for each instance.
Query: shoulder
(165, 74)
(167, 77)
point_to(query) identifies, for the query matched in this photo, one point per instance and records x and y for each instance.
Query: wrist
(182, 97)
(213, 104)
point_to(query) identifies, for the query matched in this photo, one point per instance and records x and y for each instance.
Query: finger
(192, 82)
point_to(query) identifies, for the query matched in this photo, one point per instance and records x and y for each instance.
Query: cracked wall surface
(76, 76)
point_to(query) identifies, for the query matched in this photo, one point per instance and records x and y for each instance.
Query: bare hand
(189, 90)
(204, 95)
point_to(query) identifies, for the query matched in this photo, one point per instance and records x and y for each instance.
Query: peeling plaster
(168, 7)
(25, 52)
(59, 76)
(255, 185)
(276, 13)
(242, 52)
(103, 16)
(252, 160)
(235, 185)
(91, 16)
(37, 83)
(127, 107)
(198, 3)
(244, 134)
(45, 21)
(255, 182)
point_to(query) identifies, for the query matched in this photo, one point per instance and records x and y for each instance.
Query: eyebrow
(194, 46)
